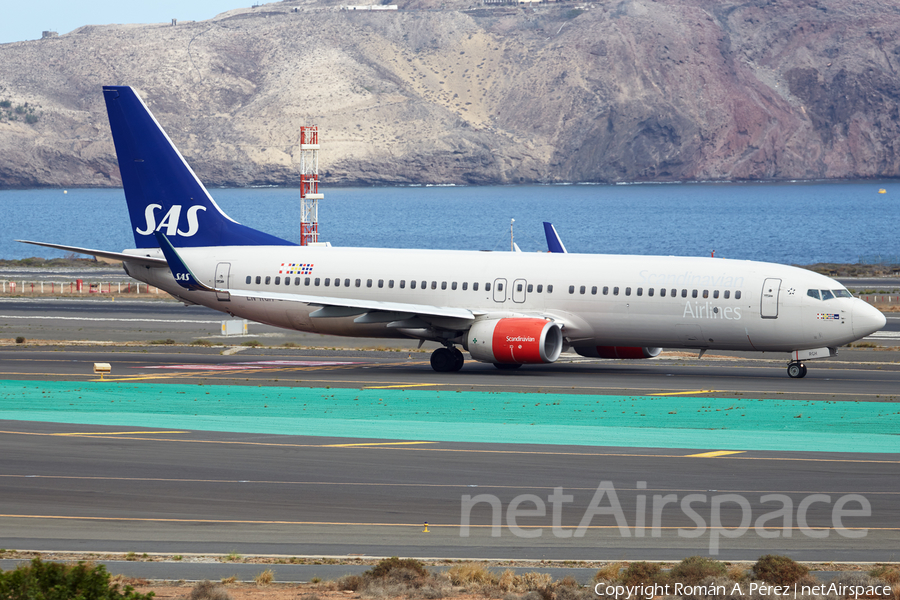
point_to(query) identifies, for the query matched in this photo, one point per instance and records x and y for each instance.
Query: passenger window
(305, 281)
(465, 285)
(827, 295)
(640, 291)
(424, 284)
(287, 281)
(549, 289)
(650, 292)
(605, 290)
(278, 281)
(530, 287)
(540, 288)
(346, 283)
(571, 289)
(662, 292)
(268, 280)
(434, 285)
(358, 282)
(390, 283)
(381, 283)
(594, 290)
(337, 282)
(737, 295)
(296, 281)
(368, 283)
(443, 285)
(487, 287)
(327, 281)
(258, 280)
(519, 287)
(582, 290)
(402, 284)
(412, 284)
(727, 294)
(453, 286)
(249, 279)
(499, 287)
(616, 291)
(684, 293)
(706, 293)
(694, 294)
(628, 291)
(475, 286)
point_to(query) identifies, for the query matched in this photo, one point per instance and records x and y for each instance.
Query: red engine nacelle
(514, 341)
(629, 352)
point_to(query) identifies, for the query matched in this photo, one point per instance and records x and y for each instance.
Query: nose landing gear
(447, 360)
(796, 370)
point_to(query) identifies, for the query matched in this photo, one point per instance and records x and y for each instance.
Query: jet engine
(630, 352)
(514, 340)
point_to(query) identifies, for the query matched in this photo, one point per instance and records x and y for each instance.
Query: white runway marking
(112, 320)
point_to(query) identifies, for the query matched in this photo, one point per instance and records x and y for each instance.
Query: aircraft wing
(148, 261)
(400, 314)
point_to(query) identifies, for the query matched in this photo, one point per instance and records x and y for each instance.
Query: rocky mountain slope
(444, 92)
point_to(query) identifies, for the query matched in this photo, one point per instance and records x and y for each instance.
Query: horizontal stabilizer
(147, 261)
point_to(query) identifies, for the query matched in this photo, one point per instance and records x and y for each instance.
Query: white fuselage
(605, 300)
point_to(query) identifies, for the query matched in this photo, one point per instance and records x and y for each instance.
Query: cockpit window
(842, 294)
(827, 295)
(813, 294)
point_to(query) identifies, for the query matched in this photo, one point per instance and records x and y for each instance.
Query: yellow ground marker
(691, 392)
(715, 453)
(404, 385)
(114, 432)
(374, 444)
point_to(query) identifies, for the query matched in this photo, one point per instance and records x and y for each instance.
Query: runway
(324, 451)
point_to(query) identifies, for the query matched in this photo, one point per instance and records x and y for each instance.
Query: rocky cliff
(444, 92)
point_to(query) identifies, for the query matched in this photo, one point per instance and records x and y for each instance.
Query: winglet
(554, 244)
(183, 274)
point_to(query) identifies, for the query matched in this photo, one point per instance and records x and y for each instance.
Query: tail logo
(170, 220)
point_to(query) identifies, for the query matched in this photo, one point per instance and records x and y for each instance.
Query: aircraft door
(222, 281)
(768, 304)
(499, 290)
(518, 290)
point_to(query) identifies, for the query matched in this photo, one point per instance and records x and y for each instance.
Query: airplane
(504, 308)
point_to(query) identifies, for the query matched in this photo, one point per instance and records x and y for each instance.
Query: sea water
(793, 223)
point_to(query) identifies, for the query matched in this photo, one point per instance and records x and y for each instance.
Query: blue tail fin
(162, 191)
(554, 244)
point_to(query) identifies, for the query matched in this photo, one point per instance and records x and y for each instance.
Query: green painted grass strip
(630, 421)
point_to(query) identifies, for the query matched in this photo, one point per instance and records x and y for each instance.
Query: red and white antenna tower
(309, 185)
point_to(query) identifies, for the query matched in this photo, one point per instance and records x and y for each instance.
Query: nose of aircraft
(866, 319)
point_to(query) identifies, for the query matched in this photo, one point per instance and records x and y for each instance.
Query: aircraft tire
(442, 360)
(458, 359)
(796, 370)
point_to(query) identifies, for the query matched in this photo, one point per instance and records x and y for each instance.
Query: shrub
(349, 583)
(56, 580)
(165, 342)
(265, 578)
(387, 565)
(695, 569)
(887, 574)
(20, 339)
(467, 574)
(610, 572)
(641, 572)
(778, 570)
(252, 343)
(207, 590)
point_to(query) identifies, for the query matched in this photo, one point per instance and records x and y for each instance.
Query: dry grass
(265, 578)
(609, 572)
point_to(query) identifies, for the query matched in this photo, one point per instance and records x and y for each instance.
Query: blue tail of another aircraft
(162, 191)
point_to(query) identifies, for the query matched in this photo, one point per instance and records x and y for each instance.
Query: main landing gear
(796, 369)
(447, 360)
